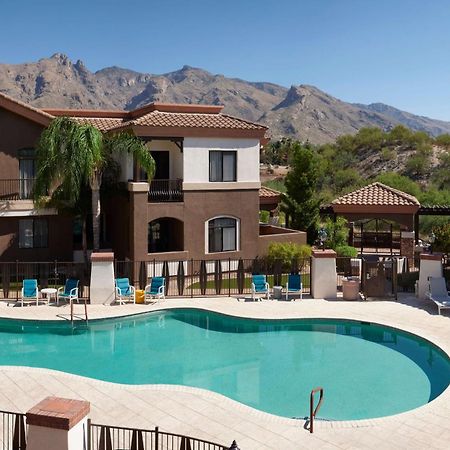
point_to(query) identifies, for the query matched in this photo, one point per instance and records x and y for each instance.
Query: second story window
(222, 166)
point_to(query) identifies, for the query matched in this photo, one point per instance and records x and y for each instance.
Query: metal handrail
(313, 411)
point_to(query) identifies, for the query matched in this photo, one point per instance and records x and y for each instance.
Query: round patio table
(49, 292)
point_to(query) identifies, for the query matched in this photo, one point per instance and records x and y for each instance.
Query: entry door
(161, 158)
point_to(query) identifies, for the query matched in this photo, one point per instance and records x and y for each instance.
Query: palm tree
(71, 156)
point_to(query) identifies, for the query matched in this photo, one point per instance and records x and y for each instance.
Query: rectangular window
(222, 235)
(222, 166)
(33, 233)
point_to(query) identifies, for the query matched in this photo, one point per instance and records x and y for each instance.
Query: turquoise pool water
(366, 370)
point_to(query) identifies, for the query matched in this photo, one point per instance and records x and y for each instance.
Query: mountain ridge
(301, 111)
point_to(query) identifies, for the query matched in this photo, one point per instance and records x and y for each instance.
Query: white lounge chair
(260, 287)
(438, 293)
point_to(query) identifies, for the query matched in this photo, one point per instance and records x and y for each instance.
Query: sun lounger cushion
(29, 288)
(156, 283)
(124, 285)
(260, 283)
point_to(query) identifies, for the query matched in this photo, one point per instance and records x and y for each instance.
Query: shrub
(442, 243)
(337, 232)
(286, 253)
(388, 154)
(264, 216)
(346, 251)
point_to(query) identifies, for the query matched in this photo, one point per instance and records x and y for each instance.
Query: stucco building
(203, 202)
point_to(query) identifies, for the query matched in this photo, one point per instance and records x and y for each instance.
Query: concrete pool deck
(210, 416)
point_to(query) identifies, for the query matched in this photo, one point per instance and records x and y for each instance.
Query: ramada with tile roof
(203, 202)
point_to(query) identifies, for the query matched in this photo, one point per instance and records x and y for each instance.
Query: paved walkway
(214, 417)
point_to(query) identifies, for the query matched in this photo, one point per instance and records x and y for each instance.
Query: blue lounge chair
(294, 285)
(125, 291)
(156, 288)
(30, 292)
(260, 286)
(69, 291)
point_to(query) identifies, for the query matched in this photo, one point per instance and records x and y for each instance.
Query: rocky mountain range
(303, 111)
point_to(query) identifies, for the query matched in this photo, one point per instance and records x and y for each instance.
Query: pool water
(272, 365)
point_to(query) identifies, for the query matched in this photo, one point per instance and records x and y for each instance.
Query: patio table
(49, 292)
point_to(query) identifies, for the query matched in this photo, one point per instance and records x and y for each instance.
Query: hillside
(303, 112)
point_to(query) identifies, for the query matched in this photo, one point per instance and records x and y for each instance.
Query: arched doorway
(165, 235)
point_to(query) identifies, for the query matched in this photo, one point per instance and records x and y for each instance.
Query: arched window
(223, 234)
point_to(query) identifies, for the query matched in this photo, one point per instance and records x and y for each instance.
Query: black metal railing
(103, 437)
(230, 277)
(16, 189)
(13, 430)
(48, 274)
(165, 191)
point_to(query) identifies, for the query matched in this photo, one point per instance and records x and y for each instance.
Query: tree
(72, 156)
(300, 203)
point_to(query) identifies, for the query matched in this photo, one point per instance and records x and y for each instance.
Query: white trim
(29, 212)
(221, 185)
(238, 234)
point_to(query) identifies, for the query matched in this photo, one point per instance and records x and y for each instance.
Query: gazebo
(377, 208)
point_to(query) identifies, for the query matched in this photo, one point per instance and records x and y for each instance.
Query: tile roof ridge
(25, 105)
(397, 191)
(246, 121)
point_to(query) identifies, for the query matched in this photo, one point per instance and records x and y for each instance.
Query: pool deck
(211, 416)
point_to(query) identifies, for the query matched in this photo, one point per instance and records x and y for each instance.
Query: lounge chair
(30, 292)
(294, 285)
(125, 291)
(156, 289)
(69, 291)
(260, 286)
(438, 293)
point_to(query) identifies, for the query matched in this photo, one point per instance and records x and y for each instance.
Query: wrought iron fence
(103, 437)
(48, 274)
(13, 431)
(166, 191)
(347, 267)
(16, 189)
(231, 277)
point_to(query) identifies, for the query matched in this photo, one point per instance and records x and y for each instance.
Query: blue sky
(393, 51)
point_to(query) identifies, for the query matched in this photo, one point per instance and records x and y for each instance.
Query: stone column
(430, 266)
(102, 289)
(138, 233)
(407, 246)
(58, 424)
(323, 274)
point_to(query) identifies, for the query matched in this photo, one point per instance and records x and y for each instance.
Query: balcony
(162, 191)
(16, 189)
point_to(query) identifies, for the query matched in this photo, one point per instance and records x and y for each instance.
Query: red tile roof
(103, 124)
(266, 192)
(377, 194)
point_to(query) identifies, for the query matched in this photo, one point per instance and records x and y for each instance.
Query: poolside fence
(103, 437)
(13, 430)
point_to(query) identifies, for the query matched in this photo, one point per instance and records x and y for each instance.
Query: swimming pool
(366, 370)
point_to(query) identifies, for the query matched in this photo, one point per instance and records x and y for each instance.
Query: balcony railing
(166, 191)
(16, 189)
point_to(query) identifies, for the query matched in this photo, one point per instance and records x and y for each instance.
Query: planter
(350, 288)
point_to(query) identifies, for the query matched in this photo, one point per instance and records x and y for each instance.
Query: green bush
(346, 251)
(286, 253)
(337, 232)
(442, 243)
(264, 216)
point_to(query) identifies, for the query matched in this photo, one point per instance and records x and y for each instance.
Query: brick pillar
(323, 274)
(58, 424)
(407, 246)
(138, 220)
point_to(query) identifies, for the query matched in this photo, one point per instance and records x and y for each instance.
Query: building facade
(203, 202)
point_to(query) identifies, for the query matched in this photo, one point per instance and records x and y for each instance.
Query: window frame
(236, 228)
(222, 154)
(34, 246)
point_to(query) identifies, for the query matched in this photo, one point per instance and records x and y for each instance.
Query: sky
(391, 51)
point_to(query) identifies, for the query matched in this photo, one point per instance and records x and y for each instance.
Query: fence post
(156, 438)
(58, 424)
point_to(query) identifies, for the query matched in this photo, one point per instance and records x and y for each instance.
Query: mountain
(302, 111)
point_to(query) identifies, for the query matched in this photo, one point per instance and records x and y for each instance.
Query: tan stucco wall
(281, 235)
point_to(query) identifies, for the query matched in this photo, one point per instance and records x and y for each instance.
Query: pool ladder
(72, 315)
(313, 411)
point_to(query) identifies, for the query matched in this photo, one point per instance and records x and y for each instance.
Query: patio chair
(30, 292)
(156, 289)
(260, 286)
(69, 291)
(438, 293)
(125, 291)
(294, 285)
